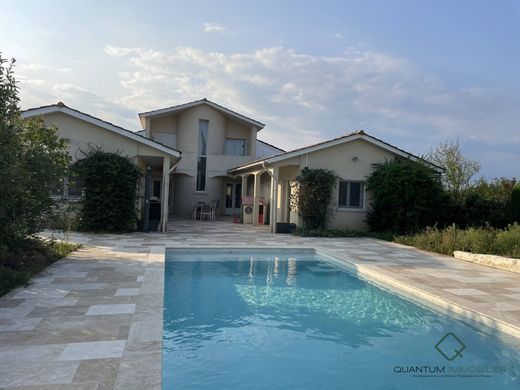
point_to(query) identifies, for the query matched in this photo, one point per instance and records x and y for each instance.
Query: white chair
(206, 211)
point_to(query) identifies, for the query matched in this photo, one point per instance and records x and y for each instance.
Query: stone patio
(94, 320)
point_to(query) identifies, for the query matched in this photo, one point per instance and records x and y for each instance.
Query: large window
(235, 147)
(351, 194)
(201, 161)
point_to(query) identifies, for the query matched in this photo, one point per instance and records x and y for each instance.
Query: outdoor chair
(206, 211)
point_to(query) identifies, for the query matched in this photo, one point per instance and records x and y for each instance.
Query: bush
(313, 195)
(508, 241)
(32, 159)
(110, 185)
(502, 242)
(407, 196)
(515, 203)
(479, 211)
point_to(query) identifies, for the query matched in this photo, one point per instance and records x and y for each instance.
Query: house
(203, 152)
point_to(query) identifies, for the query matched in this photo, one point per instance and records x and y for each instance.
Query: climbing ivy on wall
(312, 196)
(110, 182)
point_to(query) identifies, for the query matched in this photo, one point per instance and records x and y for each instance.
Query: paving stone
(96, 310)
(127, 292)
(92, 350)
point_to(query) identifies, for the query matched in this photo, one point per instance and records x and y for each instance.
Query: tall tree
(459, 170)
(32, 159)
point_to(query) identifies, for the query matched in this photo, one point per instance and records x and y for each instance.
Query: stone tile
(41, 292)
(92, 350)
(127, 292)
(96, 310)
(28, 353)
(58, 311)
(465, 291)
(18, 324)
(145, 331)
(102, 371)
(43, 373)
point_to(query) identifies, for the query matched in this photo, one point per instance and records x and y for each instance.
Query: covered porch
(160, 187)
(266, 193)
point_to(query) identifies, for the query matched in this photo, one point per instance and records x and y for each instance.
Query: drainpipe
(166, 181)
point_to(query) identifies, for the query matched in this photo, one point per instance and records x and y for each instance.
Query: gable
(81, 134)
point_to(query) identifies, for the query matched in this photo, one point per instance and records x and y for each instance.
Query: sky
(414, 73)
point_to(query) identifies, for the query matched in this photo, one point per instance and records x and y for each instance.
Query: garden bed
(28, 258)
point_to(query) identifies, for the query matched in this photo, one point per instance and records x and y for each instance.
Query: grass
(29, 257)
(501, 242)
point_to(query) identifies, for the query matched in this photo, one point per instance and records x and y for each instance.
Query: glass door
(233, 201)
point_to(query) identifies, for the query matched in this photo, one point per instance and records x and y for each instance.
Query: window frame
(201, 179)
(362, 196)
(235, 142)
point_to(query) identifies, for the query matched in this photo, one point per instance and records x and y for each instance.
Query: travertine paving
(93, 321)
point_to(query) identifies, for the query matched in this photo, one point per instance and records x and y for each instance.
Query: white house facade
(203, 153)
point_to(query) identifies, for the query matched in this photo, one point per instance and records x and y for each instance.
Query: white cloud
(303, 98)
(214, 28)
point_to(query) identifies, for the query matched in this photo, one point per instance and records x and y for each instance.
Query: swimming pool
(296, 319)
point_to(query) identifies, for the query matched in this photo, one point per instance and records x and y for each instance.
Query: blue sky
(413, 73)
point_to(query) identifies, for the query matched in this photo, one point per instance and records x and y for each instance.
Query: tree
(459, 170)
(515, 203)
(406, 197)
(32, 159)
(313, 195)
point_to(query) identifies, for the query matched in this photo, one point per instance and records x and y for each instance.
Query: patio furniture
(214, 205)
(206, 210)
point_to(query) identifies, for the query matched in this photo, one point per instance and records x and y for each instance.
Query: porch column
(243, 193)
(165, 193)
(256, 195)
(274, 200)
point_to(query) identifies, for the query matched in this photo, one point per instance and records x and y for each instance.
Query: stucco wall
(185, 194)
(350, 161)
(81, 134)
(186, 126)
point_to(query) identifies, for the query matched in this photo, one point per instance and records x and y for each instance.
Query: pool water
(281, 320)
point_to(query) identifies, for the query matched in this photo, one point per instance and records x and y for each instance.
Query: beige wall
(81, 134)
(185, 125)
(350, 161)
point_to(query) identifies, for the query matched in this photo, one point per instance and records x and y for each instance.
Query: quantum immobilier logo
(450, 346)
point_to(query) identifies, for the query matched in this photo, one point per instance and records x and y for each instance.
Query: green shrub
(515, 203)
(110, 183)
(508, 241)
(407, 196)
(313, 195)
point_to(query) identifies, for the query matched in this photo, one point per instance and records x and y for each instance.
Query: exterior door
(233, 200)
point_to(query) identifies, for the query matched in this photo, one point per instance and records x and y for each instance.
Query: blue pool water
(281, 320)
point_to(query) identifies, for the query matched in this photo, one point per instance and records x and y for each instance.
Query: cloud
(304, 98)
(214, 28)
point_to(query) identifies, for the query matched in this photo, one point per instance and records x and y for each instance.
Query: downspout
(166, 181)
